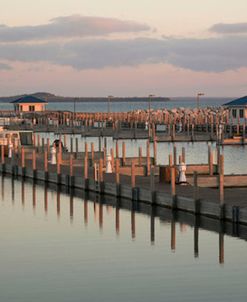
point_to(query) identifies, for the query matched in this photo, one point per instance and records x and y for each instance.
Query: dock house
(29, 103)
(237, 110)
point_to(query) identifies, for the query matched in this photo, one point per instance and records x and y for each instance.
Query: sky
(123, 48)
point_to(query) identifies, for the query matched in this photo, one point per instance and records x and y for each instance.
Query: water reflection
(101, 204)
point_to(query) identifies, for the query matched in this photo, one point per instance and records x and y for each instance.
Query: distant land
(52, 98)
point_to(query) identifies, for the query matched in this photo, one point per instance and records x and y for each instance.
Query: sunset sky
(123, 48)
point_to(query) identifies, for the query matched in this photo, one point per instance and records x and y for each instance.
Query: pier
(209, 192)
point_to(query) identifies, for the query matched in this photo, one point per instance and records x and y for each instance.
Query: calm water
(127, 106)
(56, 247)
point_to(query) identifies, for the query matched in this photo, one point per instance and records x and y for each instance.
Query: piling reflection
(133, 222)
(117, 219)
(173, 233)
(85, 212)
(34, 196)
(23, 193)
(100, 205)
(71, 208)
(12, 189)
(221, 244)
(196, 237)
(152, 225)
(58, 204)
(46, 199)
(2, 188)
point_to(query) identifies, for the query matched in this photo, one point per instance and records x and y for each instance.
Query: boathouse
(29, 103)
(237, 110)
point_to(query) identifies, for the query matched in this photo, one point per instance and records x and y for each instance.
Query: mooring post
(104, 156)
(46, 165)
(112, 158)
(92, 151)
(43, 143)
(101, 175)
(183, 155)
(2, 155)
(38, 142)
(148, 158)
(140, 156)
(59, 160)
(86, 173)
(76, 147)
(71, 171)
(48, 145)
(86, 150)
(23, 161)
(155, 150)
(133, 176)
(71, 144)
(175, 155)
(196, 193)
(117, 149)
(117, 176)
(221, 185)
(173, 186)
(123, 153)
(71, 165)
(34, 140)
(65, 141)
(152, 184)
(211, 163)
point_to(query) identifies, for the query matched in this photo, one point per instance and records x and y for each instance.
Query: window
(31, 108)
(241, 113)
(234, 113)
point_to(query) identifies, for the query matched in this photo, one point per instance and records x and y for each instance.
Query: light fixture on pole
(198, 98)
(149, 111)
(108, 103)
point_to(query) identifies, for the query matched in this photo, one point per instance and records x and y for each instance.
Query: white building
(29, 103)
(237, 110)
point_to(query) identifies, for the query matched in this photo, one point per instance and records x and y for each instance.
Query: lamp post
(108, 103)
(198, 98)
(149, 112)
(74, 118)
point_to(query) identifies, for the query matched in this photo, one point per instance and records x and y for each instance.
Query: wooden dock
(135, 179)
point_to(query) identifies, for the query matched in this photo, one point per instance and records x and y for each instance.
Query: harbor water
(59, 246)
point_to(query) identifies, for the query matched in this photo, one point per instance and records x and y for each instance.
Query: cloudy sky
(123, 48)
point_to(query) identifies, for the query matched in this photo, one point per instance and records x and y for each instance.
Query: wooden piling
(133, 176)
(85, 167)
(76, 146)
(34, 160)
(117, 149)
(155, 151)
(71, 173)
(183, 155)
(112, 158)
(221, 180)
(140, 156)
(123, 153)
(45, 161)
(71, 145)
(117, 167)
(148, 157)
(175, 155)
(86, 149)
(173, 186)
(22, 157)
(92, 151)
